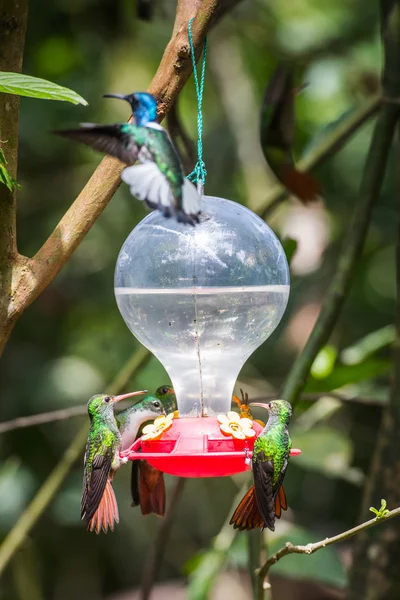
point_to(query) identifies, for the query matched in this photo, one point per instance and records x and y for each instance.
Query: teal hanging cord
(199, 173)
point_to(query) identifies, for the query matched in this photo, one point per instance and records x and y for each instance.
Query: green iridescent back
(104, 438)
(274, 442)
(158, 144)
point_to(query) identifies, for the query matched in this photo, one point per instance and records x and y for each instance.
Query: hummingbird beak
(119, 96)
(124, 396)
(260, 404)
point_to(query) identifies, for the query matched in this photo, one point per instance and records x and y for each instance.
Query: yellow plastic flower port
(156, 429)
(239, 428)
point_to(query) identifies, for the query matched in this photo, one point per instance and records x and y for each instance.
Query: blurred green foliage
(72, 340)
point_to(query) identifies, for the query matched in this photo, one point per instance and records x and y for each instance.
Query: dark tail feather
(151, 489)
(247, 516)
(135, 483)
(107, 512)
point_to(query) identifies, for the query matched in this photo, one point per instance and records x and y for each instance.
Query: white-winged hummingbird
(159, 180)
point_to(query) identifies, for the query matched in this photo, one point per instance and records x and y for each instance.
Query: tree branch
(50, 487)
(311, 548)
(380, 579)
(13, 18)
(33, 275)
(369, 192)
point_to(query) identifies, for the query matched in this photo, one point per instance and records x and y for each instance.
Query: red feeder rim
(196, 447)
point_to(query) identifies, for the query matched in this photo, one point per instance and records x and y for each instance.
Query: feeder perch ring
(196, 447)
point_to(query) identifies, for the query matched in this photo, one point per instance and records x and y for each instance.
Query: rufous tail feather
(107, 512)
(280, 502)
(152, 490)
(302, 185)
(247, 515)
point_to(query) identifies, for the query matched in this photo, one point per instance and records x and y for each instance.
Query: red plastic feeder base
(195, 447)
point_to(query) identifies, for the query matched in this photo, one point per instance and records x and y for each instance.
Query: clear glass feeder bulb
(203, 298)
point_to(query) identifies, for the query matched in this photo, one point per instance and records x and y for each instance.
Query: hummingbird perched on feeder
(102, 459)
(147, 482)
(266, 499)
(159, 180)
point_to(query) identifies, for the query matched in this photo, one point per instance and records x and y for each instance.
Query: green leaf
(324, 362)
(25, 85)
(328, 451)
(205, 570)
(371, 343)
(5, 177)
(290, 247)
(382, 512)
(349, 374)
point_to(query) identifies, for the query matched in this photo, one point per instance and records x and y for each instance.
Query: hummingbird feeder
(202, 299)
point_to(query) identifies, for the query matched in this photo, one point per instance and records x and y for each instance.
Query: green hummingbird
(266, 498)
(159, 180)
(147, 482)
(99, 506)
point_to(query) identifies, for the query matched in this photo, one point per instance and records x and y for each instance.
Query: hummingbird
(147, 482)
(159, 180)
(266, 499)
(99, 506)
(278, 135)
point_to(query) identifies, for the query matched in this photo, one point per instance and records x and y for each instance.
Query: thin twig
(75, 411)
(311, 548)
(50, 487)
(46, 417)
(158, 547)
(328, 146)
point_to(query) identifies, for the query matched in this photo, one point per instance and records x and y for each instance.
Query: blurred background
(72, 341)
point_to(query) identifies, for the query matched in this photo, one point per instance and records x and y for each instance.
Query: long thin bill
(260, 404)
(119, 96)
(124, 396)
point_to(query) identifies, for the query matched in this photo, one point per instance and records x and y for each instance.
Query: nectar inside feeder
(201, 299)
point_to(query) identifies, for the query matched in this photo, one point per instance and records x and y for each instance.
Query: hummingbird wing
(115, 140)
(159, 180)
(98, 463)
(267, 486)
(148, 184)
